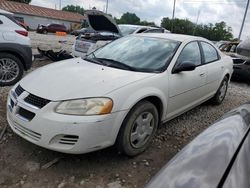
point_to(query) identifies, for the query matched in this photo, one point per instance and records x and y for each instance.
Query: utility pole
(196, 22)
(244, 18)
(172, 27)
(107, 4)
(60, 4)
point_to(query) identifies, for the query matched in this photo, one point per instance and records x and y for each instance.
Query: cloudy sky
(211, 11)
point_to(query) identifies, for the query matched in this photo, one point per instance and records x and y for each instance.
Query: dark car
(243, 49)
(218, 157)
(51, 28)
(242, 61)
(84, 31)
(241, 69)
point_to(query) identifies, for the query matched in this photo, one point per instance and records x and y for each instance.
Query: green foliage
(73, 8)
(215, 32)
(132, 18)
(128, 18)
(22, 1)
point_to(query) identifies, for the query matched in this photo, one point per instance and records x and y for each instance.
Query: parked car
(242, 61)
(118, 94)
(84, 31)
(15, 50)
(51, 28)
(241, 69)
(218, 157)
(107, 31)
(229, 48)
(128, 29)
(243, 49)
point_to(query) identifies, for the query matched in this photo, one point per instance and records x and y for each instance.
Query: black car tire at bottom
(219, 97)
(149, 116)
(45, 32)
(15, 62)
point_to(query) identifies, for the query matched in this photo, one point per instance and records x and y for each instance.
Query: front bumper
(63, 133)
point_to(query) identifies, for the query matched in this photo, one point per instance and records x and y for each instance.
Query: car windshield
(127, 30)
(138, 53)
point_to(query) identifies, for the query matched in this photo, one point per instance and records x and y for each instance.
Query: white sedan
(118, 94)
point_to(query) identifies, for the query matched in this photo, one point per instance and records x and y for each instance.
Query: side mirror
(184, 66)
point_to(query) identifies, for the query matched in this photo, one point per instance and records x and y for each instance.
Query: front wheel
(11, 69)
(221, 92)
(138, 129)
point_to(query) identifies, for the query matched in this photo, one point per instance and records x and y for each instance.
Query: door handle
(202, 74)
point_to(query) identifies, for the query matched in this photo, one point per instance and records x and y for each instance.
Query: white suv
(15, 50)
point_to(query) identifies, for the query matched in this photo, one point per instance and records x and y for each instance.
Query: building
(34, 15)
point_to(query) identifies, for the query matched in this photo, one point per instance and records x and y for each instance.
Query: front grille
(26, 132)
(19, 90)
(26, 114)
(69, 139)
(36, 101)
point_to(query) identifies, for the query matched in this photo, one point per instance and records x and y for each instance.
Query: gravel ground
(22, 164)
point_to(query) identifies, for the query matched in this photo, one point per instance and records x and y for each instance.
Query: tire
(143, 133)
(45, 32)
(9, 62)
(219, 96)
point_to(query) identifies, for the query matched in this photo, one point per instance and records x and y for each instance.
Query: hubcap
(223, 90)
(142, 129)
(9, 70)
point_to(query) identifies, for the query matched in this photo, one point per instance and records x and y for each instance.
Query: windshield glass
(127, 30)
(138, 52)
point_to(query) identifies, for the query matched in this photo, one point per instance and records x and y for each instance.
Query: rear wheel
(11, 69)
(138, 129)
(221, 92)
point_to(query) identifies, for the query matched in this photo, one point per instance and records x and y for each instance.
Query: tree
(146, 23)
(215, 32)
(73, 8)
(128, 18)
(22, 1)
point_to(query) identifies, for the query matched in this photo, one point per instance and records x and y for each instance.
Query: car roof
(5, 12)
(141, 26)
(171, 36)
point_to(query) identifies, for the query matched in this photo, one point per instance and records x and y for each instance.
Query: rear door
(186, 88)
(213, 65)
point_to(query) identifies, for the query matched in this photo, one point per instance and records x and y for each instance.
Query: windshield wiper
(116, 64)
(94, 60)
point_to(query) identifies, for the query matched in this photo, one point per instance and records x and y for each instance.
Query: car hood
(243, 49)
(77, 78)
(102, 22)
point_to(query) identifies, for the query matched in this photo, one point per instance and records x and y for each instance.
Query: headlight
(85, 107)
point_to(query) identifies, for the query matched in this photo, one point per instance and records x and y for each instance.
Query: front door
(186, 88)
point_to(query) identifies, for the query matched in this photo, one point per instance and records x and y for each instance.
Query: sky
(211, 11)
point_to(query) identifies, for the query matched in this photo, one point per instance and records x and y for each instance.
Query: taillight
(24, 33)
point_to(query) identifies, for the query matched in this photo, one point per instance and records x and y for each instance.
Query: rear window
(10, 17)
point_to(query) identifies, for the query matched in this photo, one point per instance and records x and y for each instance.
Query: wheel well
(228, 76)
(157, 102)
(17, 55)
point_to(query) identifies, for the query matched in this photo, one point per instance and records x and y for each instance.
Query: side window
(154, 31)
(142, 30)
(210, 53)
(191, 53)
(1, 22)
